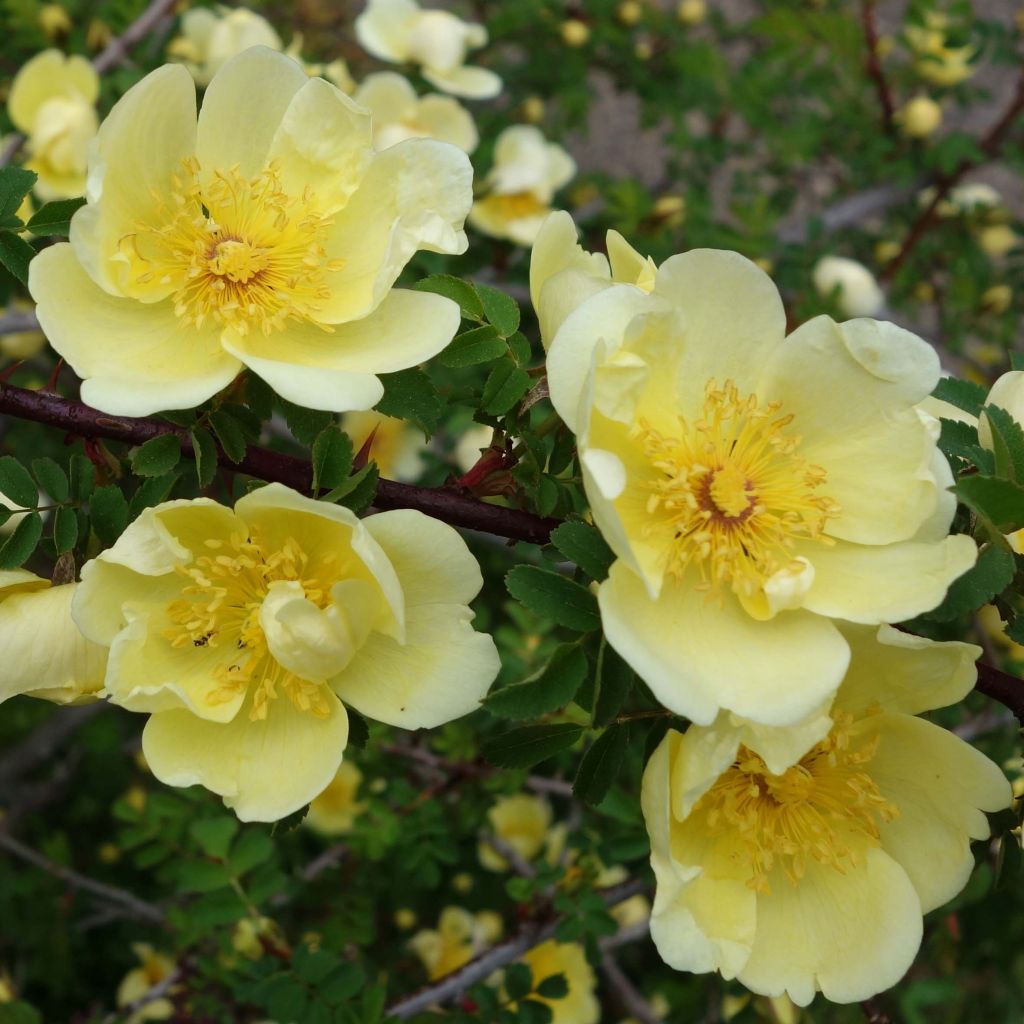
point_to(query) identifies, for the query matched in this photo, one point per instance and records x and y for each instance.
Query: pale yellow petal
(440, 673)
(140, 145)
(336, 369)
(884, 583)
(941, 786)
(135, 358)
(415, 195)
(243, 108)
(385, 28)
(850, 935)
(388, 96)
(699, 654)
(264, 769)
(733, 314)
(898, 671)
(446, 120)
(323, 143)
(469, 82)
(45, 654)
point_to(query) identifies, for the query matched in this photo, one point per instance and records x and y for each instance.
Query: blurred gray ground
(615, 116)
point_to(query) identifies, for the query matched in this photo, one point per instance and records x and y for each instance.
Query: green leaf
(554, 986)
(548, 689)
(1008, 443)
(108, 513)
(65, 529)
(16, 254)
(964, 394)
(520, 348)
(555, 597)
(15, 184)
(18, 548)
(54, 218)
(1001, 502)
(205, 450)
(305, 424)
(506, 384)
(960, 440)
(252, 848)
(601, 764)
(530, 744)
(518, 980)
(154, 490)
(584, 545)
(259, 396)
(990, 576)
(411, 395)
(332, 458)
(157, 456)
(480, 345)
(16, 484)
(18, 1012)
(612, 684)
(358, 491)
(500, 309)
(229, 434)
(457, 290)
(83, 476)
(51, 479)
(214, 835)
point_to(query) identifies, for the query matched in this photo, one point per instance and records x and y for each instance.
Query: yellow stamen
(220, 608)
(826, 808)
(729, 494)
(240, 252)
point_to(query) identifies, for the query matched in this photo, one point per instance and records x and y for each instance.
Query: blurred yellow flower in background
(458, 938)
(400, 31)
(334, 810)
(52, 103)
(396, 446)
(522, 821)
(518, 190)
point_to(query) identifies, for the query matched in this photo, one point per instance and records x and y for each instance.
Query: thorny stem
(874, 65)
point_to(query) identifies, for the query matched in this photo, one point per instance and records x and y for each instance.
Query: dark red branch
(874, 65)
(1001, 686)
(990, 146)
(447, 505)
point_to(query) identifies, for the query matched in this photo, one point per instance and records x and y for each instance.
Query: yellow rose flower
(458, 938)
(753, 486)
(563, 273)
(579, 1005)
(154, 968)
(268, 236)
(51, 103)
(801, 860)
(210, 39)
(402, 32)
(45, 654)
(399, 114)
(919, 117)
(334, 811)
(396, 446)
(241, 632)
(936, 61)
(859, 293)
(522, 821)
(528, 171)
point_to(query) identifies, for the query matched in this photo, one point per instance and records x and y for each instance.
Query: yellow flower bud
(53, 20)
(886, 251)
(7, 991)
(997, 299)
(924, 291)
(109, 853)
(135, 797)
(997, 239)
(405, 919)
(575, 32)
(691, 12)
(919, 117)
(643, 49)
(884, 46)
(670, 210)
(765, 264)
(630, 12)
(462, 883)
(533, 109)
(98, 34)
